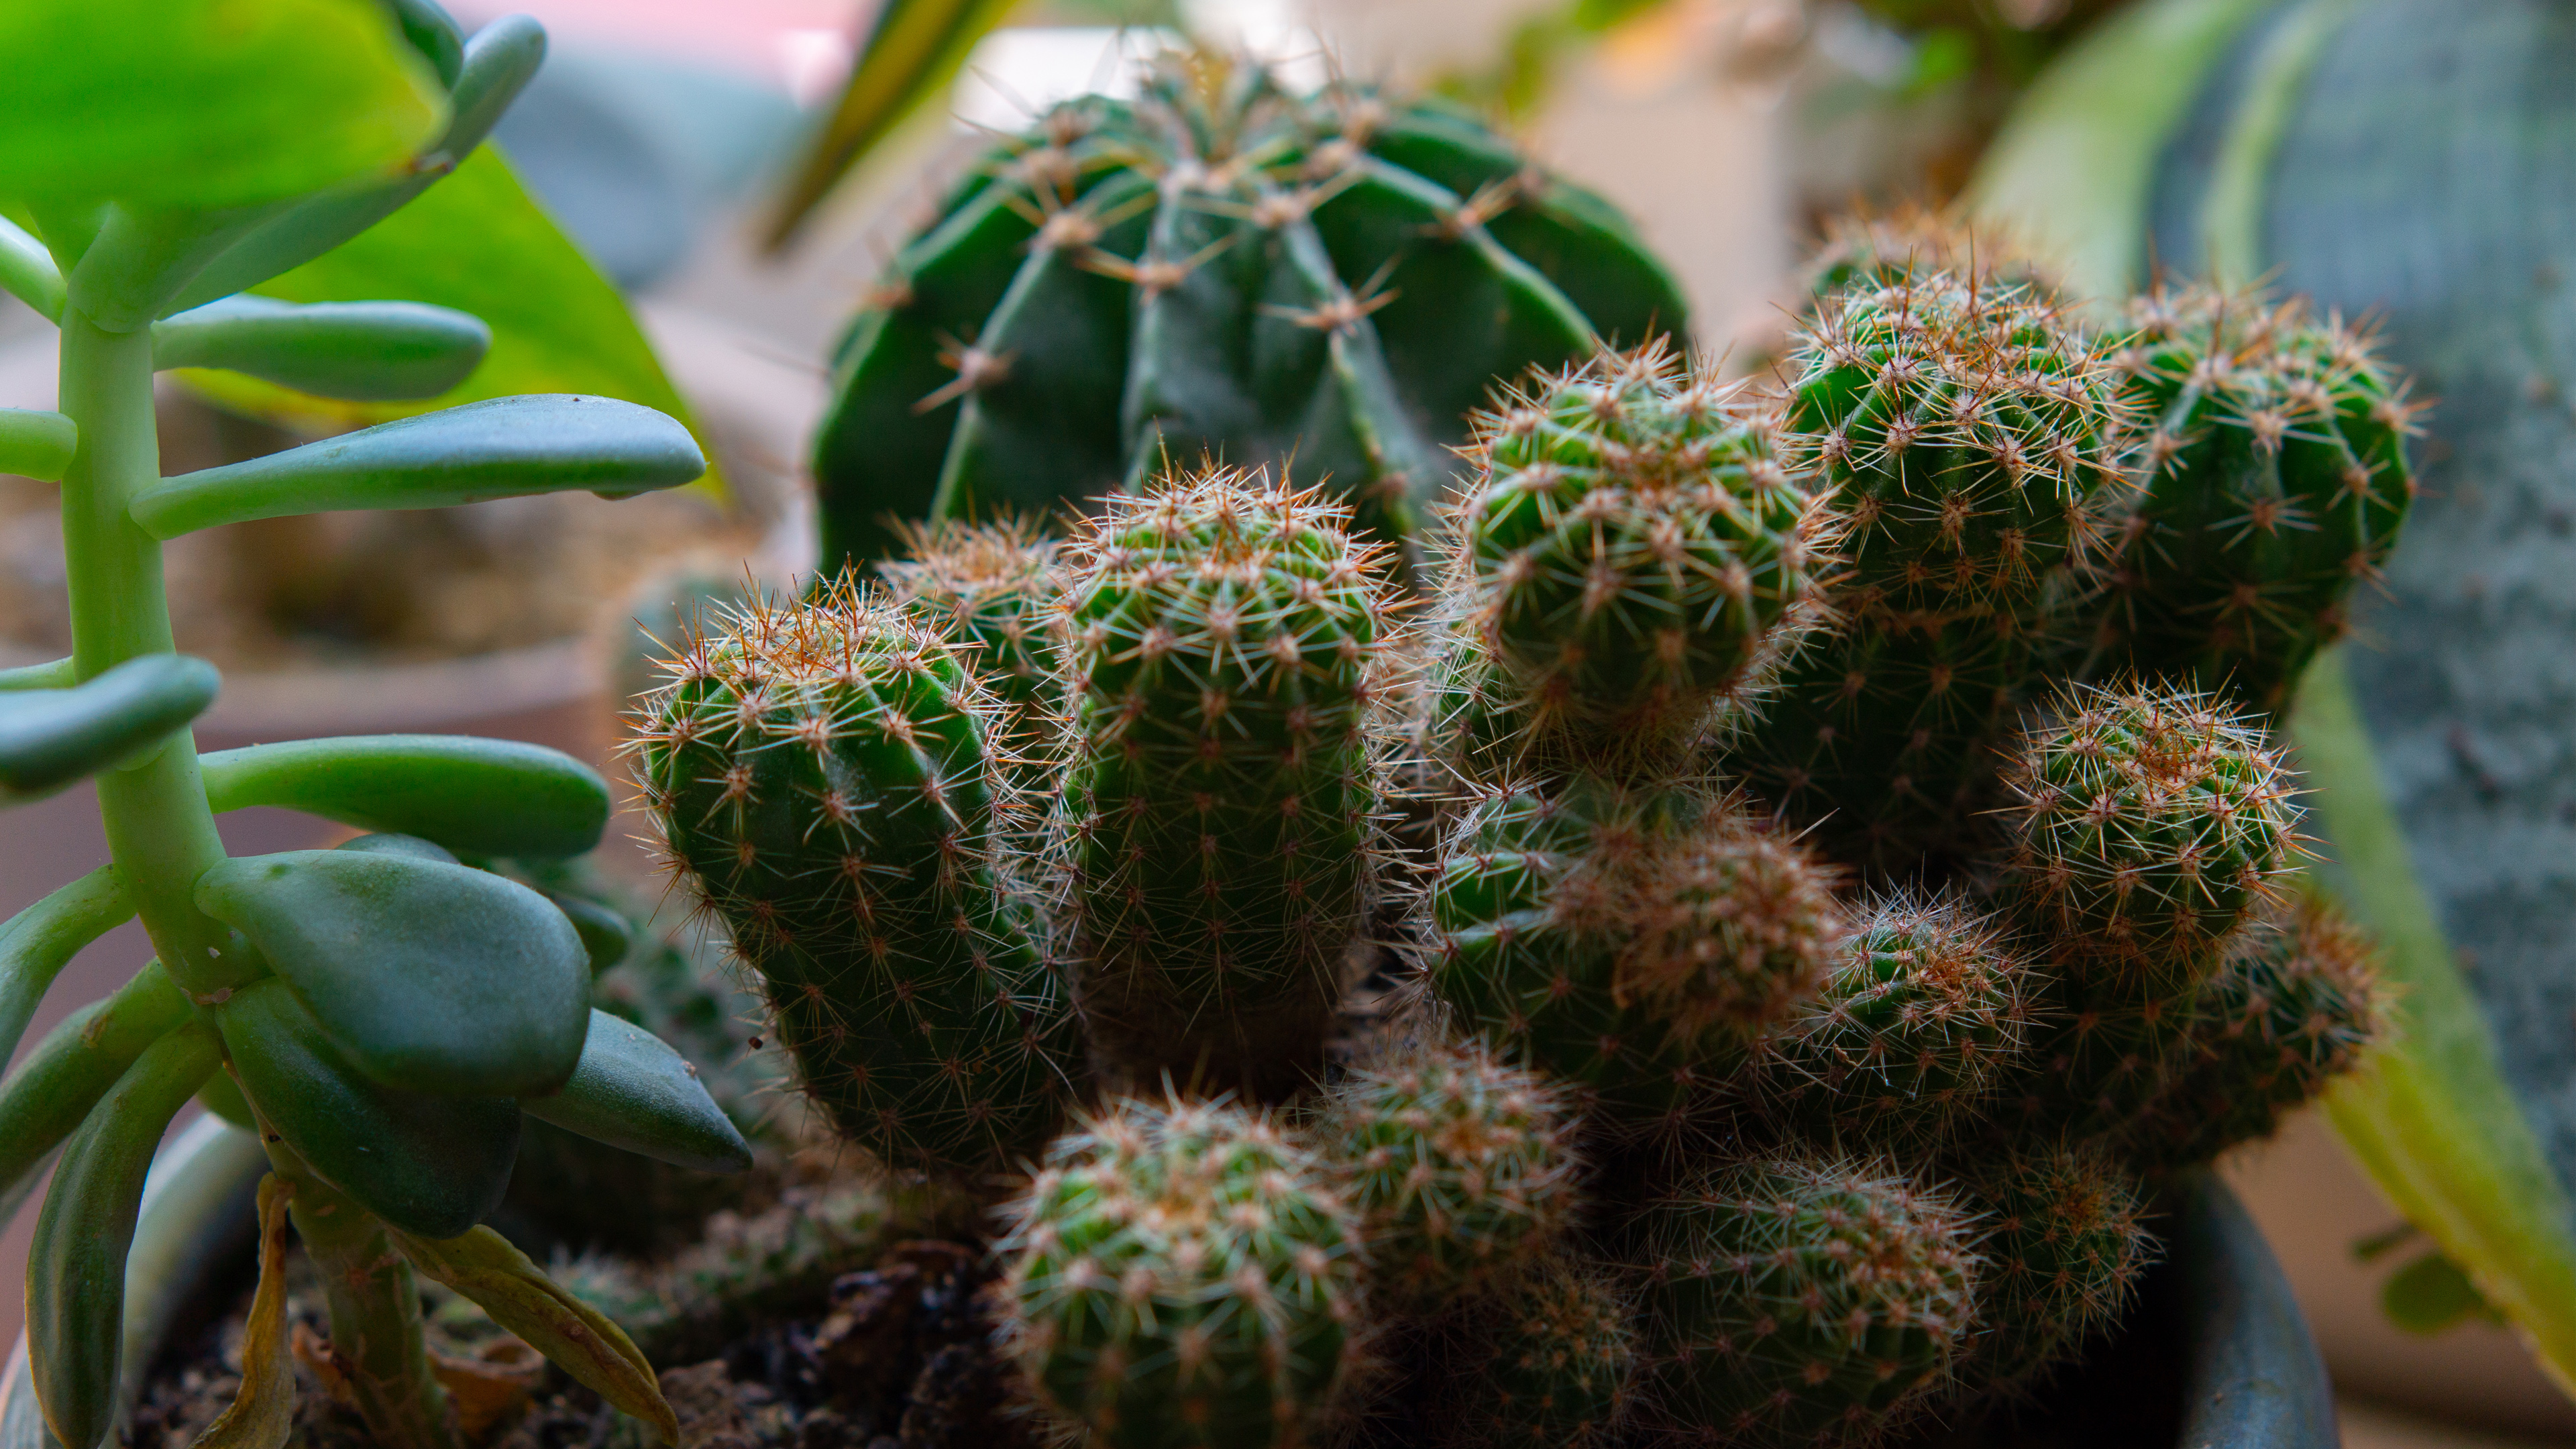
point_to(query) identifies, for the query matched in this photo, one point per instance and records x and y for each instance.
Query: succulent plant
(1460, 1168)
(2274, 462)
(1865, 250)
(823, 774)
(1183, 1274)
(993, 587)
(2063, 1241)
(1969, 428)
(1551, 1365)
(1216, 829)
(1805, 1301)
(1325, 285)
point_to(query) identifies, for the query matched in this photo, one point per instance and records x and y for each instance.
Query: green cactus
(1561, 927)
(2294, 1005)
(1550, 1365)
(1918, 1028)
(1868, 250)
(1632, 551)
(1182, 1277)
(1461, 1168)
(1968, 429)
(1329, 283)
(991, 586)
(2274, 462)
(2144, 825)
(1217, 826)
(2063, 1246)
(1800, 1301)
(823, 778)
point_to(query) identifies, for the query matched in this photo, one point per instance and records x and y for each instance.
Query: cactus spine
(1551, 1365)
(821, 773)
(2063, 1247)
(1218, 822)
(1182, 1277)
(991, 586)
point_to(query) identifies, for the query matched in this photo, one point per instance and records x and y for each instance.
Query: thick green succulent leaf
(409, 847)
(52, 737)
(605, 934)
(472, 795)
(67, 1073)
(76, 1265)
(435, 1166)
(429, 30)
(478, 244)
(365, 351)
(498, 448)
(633, 1091)
(139, 259)
(27, 271)
(428, 977)
(205, 103)
(497, 64)
(38, 941)
(37, 444)
(60, 673)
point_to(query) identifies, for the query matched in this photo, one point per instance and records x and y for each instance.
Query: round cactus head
(1634, 547)
(1328, 282)
(1550, 1365)
(2274, 463)
(1865, 250)
(1461, 1167)
(1735, 926)
(992, 588)
(2145, 824)
(2063, 1247)
(1804, 1302)
(1182, 1276)
(1920, 1023)
(824, 782)
(1218, 819)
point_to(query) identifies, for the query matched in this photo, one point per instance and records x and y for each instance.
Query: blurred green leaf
(2431, 1294)
(205, 103)
(478, 243)
(487, 797)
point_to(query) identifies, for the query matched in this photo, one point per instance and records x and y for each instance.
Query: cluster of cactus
(1831, 941)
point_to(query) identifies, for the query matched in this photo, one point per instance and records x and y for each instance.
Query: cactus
(1182, 1276)
(1217, 827)
(1632, 550)
(2145, 824)
(991, 586)
(2063, 1246)
(1329, 282)
(2293, 1006)
(1559, 923)
(2275, 473)
(1866, 250)
(1800, 1301)
(1917, 1029)
(1550, 1365)
(1460, 1168)
(822, 774)
(1969, 430)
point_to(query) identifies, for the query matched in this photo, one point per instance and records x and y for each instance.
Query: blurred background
(661, 136)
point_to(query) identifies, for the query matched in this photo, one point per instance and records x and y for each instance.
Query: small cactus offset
(2063, 1241)
(1461, 1168)
(1220, 798)
(1873, 250)
(822, 774)
(2274, 461)
(1551, 1365)
(990, 586)
(1183, 1276)
(1803, 1301)
(1970, 430)
(1632, 552)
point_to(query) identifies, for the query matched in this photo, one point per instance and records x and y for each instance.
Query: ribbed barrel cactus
(1324, 285)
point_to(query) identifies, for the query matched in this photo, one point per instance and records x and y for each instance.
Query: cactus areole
(1322, 285)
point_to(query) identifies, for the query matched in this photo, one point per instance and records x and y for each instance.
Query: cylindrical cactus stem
(1553, 1364)
(1865, 250)
(991, 587)
(1805, 1301)
(1581, 929)
(2296, 1002)
(1969, 430)
(2063, 1245)
(822, 778)
(2144, 825)
(1921, 1023)
(1631, 554)
(1461, 1168)
(2275, 473)
(1182, 1276)
(1218, 828)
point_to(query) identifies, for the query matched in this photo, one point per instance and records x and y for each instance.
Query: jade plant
(386, 1013)
(1324, 286)
(1831, 942)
